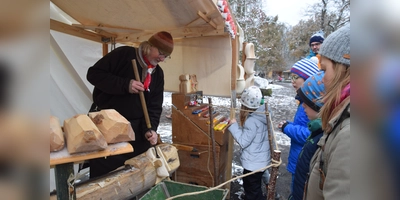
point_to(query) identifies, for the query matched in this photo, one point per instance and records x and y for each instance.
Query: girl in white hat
(251, 133)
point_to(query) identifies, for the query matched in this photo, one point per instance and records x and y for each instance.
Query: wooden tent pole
(105, 49)
(274, 174)
(210, 110)
(269, 125)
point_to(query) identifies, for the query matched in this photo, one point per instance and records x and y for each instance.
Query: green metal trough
(166, 189)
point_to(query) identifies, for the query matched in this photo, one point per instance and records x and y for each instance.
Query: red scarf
(147, 80)
(345, 92)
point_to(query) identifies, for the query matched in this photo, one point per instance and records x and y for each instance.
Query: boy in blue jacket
(310, 93)
(297, 130)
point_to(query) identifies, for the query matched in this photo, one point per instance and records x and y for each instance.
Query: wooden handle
(184, 147)
(141, 94)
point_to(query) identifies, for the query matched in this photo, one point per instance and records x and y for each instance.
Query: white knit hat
(251, 97)
(337, 46)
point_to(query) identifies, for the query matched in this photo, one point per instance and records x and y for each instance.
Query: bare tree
(265, 32)
(331, 14)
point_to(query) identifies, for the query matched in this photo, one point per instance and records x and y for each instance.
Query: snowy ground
(283, 107)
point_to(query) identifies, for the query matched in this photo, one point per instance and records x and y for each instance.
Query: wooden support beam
(99, 30)
(75, 31)
(105, 49)
(109, 28)
(206, 19)
(105, 33)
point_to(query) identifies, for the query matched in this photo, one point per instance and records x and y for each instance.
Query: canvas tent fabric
(201, 46)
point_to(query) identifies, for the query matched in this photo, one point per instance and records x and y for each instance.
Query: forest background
(279, 45)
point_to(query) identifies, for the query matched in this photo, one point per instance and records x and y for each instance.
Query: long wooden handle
(141, 94)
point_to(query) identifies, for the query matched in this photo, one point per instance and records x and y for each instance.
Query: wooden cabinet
(193, 130)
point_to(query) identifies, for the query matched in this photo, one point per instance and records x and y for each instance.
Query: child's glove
(282, 125)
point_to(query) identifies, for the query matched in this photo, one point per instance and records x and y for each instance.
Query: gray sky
(289, 11)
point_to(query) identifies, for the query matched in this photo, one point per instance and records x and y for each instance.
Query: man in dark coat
(115, 87)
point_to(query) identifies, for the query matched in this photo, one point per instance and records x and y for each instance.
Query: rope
(276, 164)
(71, 186)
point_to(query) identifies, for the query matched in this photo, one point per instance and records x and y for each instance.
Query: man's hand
(135, 87)
(152, 137)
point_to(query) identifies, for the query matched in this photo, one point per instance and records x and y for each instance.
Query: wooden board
(63, 156)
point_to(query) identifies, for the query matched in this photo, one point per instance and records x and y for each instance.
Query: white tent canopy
(82, 31)
(201, 45)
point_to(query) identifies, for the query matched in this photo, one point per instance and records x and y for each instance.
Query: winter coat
(311, 54)
(298, 133)
(111, 77)
(333, 157)
(253, 140)
(303, 163)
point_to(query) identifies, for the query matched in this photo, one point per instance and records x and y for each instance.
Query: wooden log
(114, 127)
(56, 135)
(82, 135)
(274, 174)
(123, 183)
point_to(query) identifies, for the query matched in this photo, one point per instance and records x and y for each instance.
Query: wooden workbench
(63, 162)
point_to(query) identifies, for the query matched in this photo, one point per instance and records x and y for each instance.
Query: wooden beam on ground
(75, 31)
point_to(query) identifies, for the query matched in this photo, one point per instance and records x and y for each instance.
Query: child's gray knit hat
(337, 46)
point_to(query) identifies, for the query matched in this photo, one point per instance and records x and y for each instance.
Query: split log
(114, 127)
(123, 183)
(82, 135)
(56, 135)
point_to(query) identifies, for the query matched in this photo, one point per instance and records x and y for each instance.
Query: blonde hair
(333, 92)
(244, 113)
(146, 48)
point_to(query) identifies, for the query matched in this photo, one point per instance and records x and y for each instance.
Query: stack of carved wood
(85, 133)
